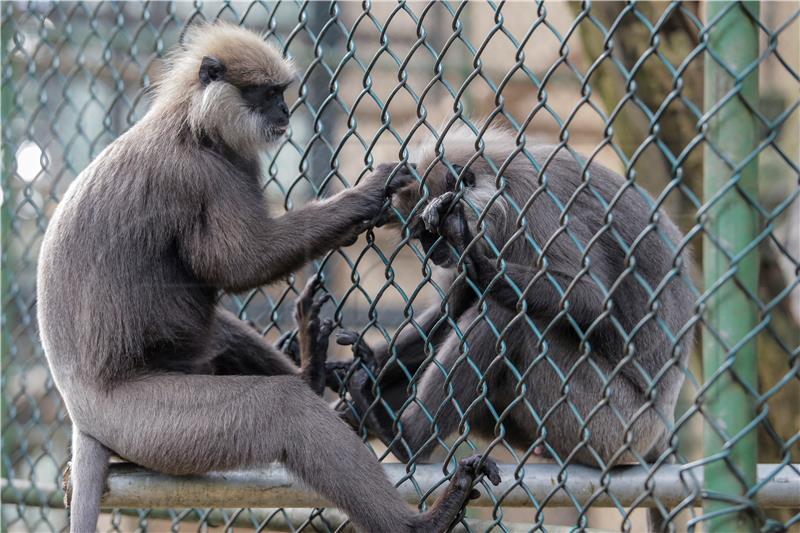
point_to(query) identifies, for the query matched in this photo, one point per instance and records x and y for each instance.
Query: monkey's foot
(313, 334)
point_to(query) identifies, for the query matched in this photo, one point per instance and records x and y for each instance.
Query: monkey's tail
(87, 477)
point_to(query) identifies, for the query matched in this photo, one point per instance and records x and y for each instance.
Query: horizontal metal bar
(130, 486)
(133, 486)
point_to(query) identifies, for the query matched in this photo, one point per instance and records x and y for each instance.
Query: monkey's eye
(451, 179)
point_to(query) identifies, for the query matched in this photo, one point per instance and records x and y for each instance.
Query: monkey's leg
(240, 350)
(185, 424)
(87, 479)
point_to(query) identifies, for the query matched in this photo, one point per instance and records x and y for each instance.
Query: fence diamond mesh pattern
(663, 93)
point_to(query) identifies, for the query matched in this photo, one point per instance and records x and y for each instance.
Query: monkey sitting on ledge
(148, 364)
(596, 378)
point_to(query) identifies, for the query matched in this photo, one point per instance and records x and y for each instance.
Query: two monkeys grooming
(152, 369)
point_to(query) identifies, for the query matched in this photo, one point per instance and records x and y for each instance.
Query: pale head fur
(217, 110)
(460, 146)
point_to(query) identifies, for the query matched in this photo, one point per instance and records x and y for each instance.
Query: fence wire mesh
(651, 90)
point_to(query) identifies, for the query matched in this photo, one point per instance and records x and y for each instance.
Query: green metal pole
(731, 225)
(6, 101)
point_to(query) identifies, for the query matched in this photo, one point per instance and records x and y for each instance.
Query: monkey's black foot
(474, 466)
(313, 334)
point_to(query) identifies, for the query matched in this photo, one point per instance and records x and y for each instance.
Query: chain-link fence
(697, 104)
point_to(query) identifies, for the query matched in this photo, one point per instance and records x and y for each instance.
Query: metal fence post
(730, 263)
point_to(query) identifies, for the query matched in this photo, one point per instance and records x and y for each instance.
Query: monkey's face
(267, 102)
(263, 115)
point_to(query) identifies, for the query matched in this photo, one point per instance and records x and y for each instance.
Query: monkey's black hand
(313, 334)
(474, 466)
(445, 216)
(361, 349)
(359, 385)
(376, 191)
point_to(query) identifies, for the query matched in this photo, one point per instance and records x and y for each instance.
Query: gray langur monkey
(149, 366)
(604, 400)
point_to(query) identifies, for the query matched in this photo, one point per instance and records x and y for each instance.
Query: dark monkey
(629, 302)
(149, 366)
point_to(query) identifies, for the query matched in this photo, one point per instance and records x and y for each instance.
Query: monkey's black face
(267, 100)
(264, 99)
(439, 252)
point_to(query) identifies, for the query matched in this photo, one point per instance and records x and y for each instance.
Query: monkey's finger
(325, 330)
(474, 494)
(400, 180)
(305, 298)
(430, 216)
(346, 337)
(360, 348)
(319, 301)
(491, 470)
(312, 284)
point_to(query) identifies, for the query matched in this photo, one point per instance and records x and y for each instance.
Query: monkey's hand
(359, 376)
(444, 215)
(313, 334)
(473, 467)
(376, 191)
(469, 471)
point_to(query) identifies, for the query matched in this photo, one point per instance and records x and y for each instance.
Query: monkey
(149, 365)
(566, 324)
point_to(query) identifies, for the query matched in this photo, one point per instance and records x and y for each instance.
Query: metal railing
(697, 103)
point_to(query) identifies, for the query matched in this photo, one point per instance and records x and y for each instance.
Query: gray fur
(168, 215)
(85, 481)
(625, 419)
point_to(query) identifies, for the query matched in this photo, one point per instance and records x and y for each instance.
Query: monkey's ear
(469, 175)
(211, 69)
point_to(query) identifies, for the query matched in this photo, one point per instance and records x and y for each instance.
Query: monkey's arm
(232, 243)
